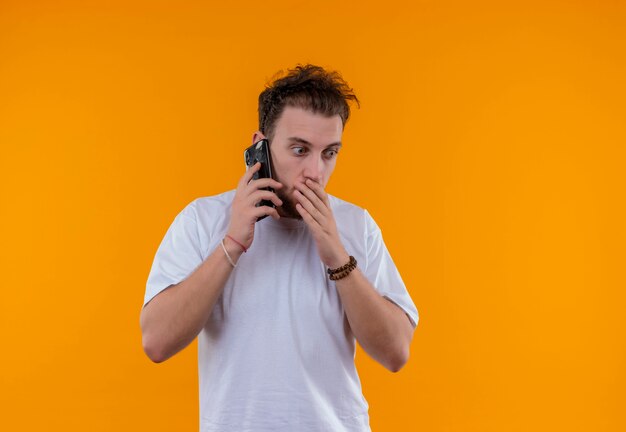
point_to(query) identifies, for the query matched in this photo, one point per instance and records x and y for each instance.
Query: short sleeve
(177, 256)
(382, 272)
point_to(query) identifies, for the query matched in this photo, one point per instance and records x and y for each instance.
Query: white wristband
(227, 256)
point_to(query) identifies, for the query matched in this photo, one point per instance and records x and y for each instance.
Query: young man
(277, 304)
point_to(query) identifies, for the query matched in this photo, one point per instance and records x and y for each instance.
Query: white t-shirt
(277, 353)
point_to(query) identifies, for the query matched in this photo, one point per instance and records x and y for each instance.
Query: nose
(315, 168)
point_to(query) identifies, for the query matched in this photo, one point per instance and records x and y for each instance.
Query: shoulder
(209, 213)
(347, 213)
(209, 205)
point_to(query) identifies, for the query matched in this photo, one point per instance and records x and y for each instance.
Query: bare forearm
(382, 328)
(175, 316)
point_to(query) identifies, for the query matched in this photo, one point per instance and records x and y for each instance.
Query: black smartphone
(260, 152)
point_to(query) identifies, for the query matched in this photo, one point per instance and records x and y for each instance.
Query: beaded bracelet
(350, 263)
(343, 271)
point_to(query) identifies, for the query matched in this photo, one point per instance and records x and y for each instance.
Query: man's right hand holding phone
(244, 212)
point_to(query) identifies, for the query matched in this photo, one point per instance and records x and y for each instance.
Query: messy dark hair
(309, 87)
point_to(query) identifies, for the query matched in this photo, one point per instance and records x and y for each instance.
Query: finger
(306, 216)
(266, 211)
(250, 172)
(313, 198)
(265, 182)
(309, 207)
(319, 191)
(260, 195)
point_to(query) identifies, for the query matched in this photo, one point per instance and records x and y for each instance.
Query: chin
(288, 209)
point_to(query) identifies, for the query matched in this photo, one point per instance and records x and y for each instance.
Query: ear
(257, 136)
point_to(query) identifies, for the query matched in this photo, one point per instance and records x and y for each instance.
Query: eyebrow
(305, 142)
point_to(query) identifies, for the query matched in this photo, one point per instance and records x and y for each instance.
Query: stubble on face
(288, 209)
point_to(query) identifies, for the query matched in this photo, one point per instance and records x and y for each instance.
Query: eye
(298, 151)
(331, 153)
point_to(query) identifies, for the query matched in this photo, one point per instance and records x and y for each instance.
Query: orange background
(489, 148)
